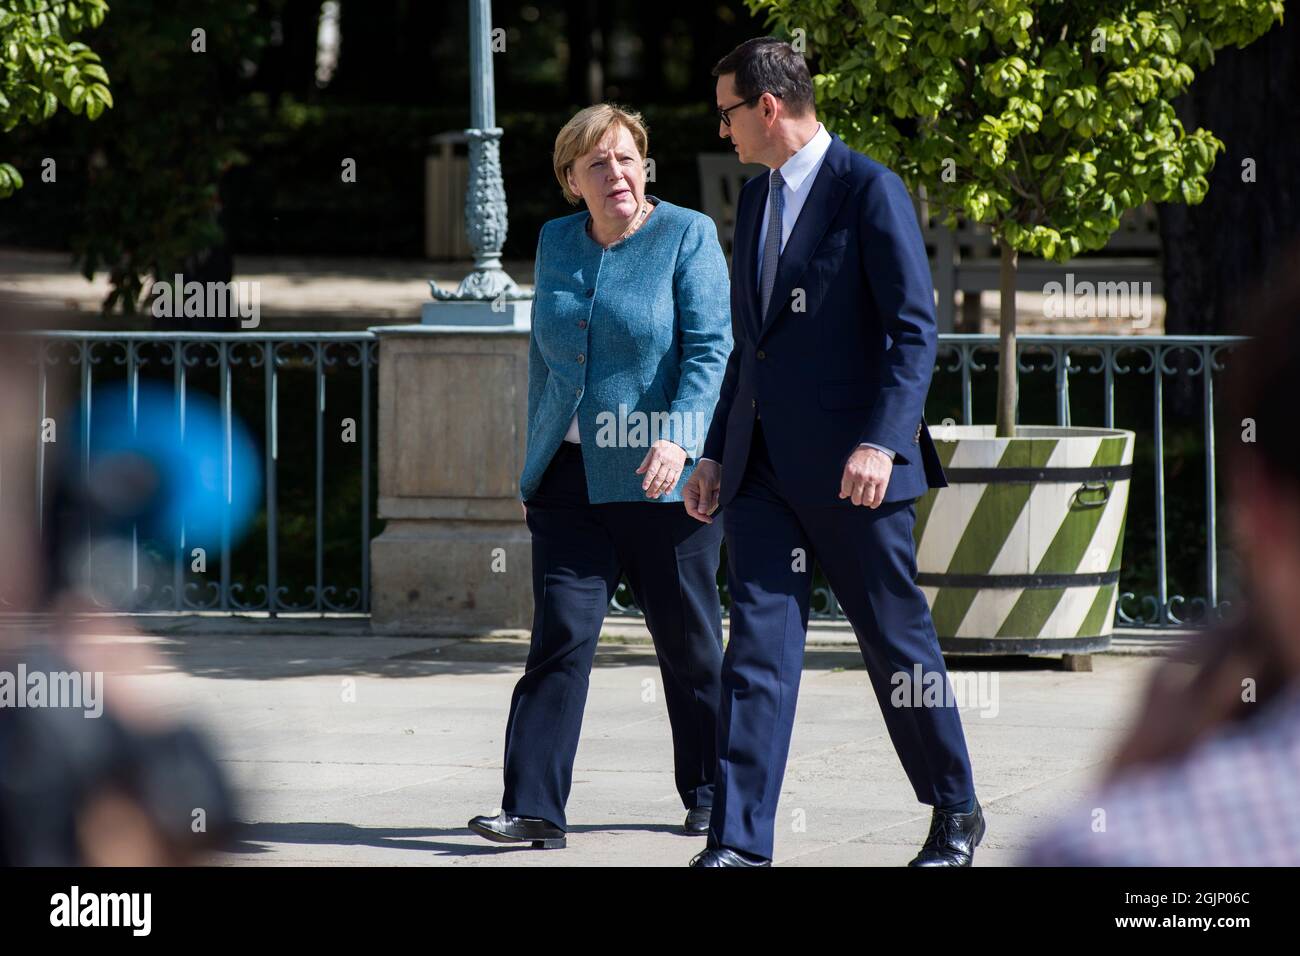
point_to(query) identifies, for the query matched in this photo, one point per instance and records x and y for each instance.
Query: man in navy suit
(817, 451)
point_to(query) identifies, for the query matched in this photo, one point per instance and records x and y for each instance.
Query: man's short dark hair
(769, 65)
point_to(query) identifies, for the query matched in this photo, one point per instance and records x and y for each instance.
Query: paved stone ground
(296, 294)
(390, 776)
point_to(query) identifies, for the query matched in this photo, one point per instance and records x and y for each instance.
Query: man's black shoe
(952, 838)
(724, 856)
(507, 828)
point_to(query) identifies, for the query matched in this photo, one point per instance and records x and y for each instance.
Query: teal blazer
(634, 338)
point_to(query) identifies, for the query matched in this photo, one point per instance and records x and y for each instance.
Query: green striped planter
(1020, 553)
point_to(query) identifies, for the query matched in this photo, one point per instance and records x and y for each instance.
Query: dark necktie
(772, 243)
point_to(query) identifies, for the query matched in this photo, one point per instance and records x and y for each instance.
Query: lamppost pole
(453, 423)
(485, 199)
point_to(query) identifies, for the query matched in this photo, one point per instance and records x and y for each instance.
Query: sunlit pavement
(350, 749)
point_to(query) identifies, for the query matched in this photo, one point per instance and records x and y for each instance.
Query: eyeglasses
(726, 120)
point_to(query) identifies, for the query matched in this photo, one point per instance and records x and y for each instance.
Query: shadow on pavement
(277, 657)
(253, 836)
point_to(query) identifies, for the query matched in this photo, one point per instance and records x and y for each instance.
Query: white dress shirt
(799, 173)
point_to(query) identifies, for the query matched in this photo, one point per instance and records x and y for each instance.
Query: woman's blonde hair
(581, 134)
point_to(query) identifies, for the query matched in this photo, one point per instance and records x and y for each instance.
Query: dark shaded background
(401, 77)
(251, 117)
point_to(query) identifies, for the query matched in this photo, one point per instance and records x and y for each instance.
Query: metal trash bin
(446, 179)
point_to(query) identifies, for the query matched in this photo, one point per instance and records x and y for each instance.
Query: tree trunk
(213, 264)
(1008, 364)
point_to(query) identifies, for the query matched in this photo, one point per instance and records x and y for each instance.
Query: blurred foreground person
(1210, 775)
(89, 773)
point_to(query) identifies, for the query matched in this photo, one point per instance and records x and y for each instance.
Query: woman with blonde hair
(631, 329)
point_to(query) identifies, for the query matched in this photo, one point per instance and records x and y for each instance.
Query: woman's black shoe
(697, 821)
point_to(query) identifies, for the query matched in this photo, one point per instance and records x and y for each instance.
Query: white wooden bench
(721, 176)
(966, 260)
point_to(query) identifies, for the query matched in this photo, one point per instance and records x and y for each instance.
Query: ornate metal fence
(1121, 381)
(278, 385)
(309, 548)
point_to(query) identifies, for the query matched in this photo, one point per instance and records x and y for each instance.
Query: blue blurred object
(144, 474)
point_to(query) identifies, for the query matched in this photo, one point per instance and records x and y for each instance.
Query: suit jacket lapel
(824, 200)
(749, 219)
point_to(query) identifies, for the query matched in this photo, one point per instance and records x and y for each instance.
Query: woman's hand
(662, 466)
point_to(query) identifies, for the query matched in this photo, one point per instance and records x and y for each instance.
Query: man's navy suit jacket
(855, 364)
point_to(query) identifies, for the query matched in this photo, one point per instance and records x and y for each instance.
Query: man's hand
(662, 466)
(866, 476)
(701, 492)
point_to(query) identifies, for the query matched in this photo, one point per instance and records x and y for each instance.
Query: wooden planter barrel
(1020, 554)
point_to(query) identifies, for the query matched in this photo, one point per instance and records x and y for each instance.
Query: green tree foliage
(1045, 119)
(42, 67)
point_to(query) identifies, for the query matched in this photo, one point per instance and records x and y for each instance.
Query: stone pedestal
(513, 312)
(454, 557)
